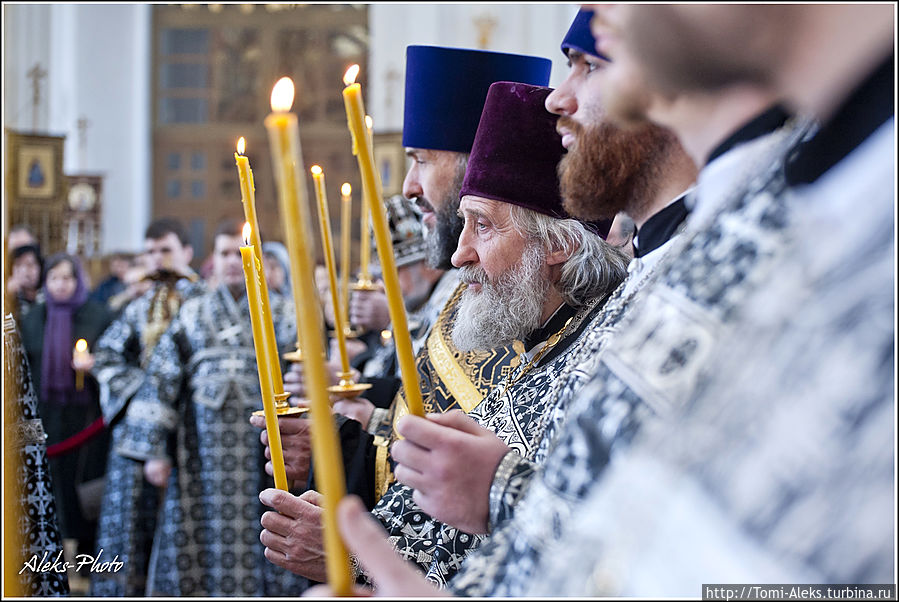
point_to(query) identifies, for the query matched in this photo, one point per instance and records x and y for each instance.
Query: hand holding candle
(251, 271)
(287, 161)
(81, 360)
(352, 98)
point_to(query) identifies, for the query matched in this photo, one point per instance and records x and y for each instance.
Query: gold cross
(485, 25)
(36, 74)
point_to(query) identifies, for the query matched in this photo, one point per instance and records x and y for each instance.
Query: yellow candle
(352, 98)
(324, 222)
(346, 209)
(284, 137)
(367, 196)
(251, 270)
(248, 198)
(79, 355)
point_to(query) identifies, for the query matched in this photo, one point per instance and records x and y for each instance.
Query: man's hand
(295, 380)
(365, 538)
(83, 362)
(295, 446)
(292, 535)
(450, 461)
(369, 310)
(357, 408)
(157, 471)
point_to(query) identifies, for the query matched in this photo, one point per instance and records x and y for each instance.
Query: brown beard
(613, 169)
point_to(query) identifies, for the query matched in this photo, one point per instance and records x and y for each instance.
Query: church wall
(99, 60)
(520, 28)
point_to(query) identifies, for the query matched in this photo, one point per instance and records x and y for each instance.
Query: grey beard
(504, 311)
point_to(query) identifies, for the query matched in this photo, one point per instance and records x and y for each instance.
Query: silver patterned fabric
(34, 509)
(130, 503)
(516, 470)
(202, 385)
(731, 245)
(782, 469)
(520, 411)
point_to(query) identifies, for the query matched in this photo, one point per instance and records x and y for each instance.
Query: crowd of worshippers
(653, 319)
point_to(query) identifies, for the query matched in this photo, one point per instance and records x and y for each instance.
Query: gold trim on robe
(450, 379)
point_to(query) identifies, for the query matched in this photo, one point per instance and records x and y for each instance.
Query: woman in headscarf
(276, 262)
(77, 439)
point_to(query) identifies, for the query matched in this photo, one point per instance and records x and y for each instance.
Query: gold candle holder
(282, 408)
(347, 386)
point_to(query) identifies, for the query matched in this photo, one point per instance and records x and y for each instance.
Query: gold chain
(550, 343)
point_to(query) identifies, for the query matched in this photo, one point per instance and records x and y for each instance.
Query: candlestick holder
(352, 333)
(347, 388)
(295, 356)
(363, 284)
(282, 408)
(348, 333)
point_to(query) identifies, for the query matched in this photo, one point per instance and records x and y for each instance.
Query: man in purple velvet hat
(532, 273)
(445, 92)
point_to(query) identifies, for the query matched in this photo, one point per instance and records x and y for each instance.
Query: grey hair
(593, 268)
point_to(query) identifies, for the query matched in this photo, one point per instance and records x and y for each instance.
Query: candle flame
(282, 95)
(247, 232)
(346, 189)
(368, 121)
(315, 169)
(241, 146)
(350, 76)
(81, 346)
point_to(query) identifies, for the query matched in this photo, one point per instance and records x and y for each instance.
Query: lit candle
(346, 209)
(284, 137)
(352, 98)
(324, 222)
(248, 198)
(252, 269)
(79, 356)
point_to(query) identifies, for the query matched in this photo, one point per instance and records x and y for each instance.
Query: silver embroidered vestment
(202, 387)
(520, 415)
(652, 362)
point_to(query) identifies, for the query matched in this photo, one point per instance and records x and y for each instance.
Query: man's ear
(558, 256)
(189, 251)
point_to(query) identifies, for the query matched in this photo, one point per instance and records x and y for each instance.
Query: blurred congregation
(617, 321)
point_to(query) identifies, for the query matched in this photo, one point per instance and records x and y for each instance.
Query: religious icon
(36, 176)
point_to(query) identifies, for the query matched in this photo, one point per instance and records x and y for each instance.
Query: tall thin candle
(352, 98)
(346, 210)
(284, 137)
(251, 270)
(324, 222)
(248, 198)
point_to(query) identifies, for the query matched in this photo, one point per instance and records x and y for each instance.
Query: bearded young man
(642, 171)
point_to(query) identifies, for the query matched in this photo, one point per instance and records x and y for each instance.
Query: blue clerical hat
(446, 88)
(580, 37)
